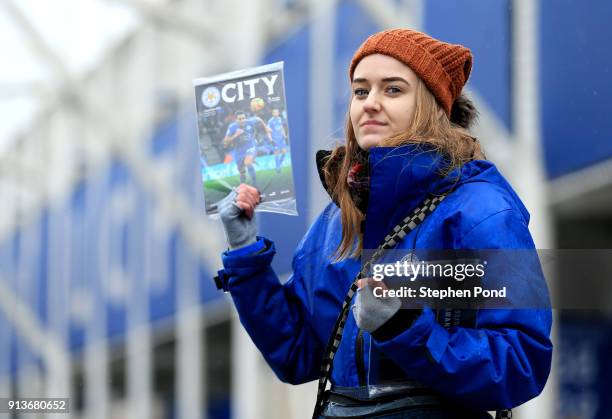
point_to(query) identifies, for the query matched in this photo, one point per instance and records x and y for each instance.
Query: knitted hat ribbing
(443, 67)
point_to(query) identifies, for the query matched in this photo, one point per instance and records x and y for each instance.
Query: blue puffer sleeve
(273, 315)
(502, 362)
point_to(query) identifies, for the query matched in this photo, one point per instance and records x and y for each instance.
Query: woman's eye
(360, 92)
(394, 89)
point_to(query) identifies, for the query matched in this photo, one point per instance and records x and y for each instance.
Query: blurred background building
(106, 257)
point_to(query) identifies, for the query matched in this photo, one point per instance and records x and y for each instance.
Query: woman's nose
(372, 103)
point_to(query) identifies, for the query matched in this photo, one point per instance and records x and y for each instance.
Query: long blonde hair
(429, 126)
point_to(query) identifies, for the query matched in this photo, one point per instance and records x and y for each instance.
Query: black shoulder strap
(395, 236)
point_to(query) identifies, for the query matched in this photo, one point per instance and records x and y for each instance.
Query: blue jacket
(500, 363)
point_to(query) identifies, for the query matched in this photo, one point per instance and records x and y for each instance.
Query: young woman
(406, 140)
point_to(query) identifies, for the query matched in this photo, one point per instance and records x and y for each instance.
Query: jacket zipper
(359, 358)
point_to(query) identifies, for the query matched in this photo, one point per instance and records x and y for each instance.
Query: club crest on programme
(211, 97)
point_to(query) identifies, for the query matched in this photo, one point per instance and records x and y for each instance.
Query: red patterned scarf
(358, 180)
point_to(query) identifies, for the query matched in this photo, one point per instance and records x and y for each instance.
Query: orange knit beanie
(443, 67)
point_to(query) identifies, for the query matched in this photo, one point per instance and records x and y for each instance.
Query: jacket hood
(401, 178)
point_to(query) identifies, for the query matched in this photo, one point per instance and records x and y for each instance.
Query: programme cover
(244, 137)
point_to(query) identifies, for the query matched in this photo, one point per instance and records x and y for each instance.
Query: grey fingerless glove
(372, 312)
(240, 230)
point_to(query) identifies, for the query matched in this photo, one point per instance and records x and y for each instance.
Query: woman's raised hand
(237, 212)
(247, 198)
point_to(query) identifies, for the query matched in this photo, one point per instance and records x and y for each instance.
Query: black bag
(407, 399)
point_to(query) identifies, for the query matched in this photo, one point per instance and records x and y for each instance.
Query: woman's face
(383, 101)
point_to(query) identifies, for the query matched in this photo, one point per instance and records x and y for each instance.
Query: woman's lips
(372, 127)
(372, 122)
